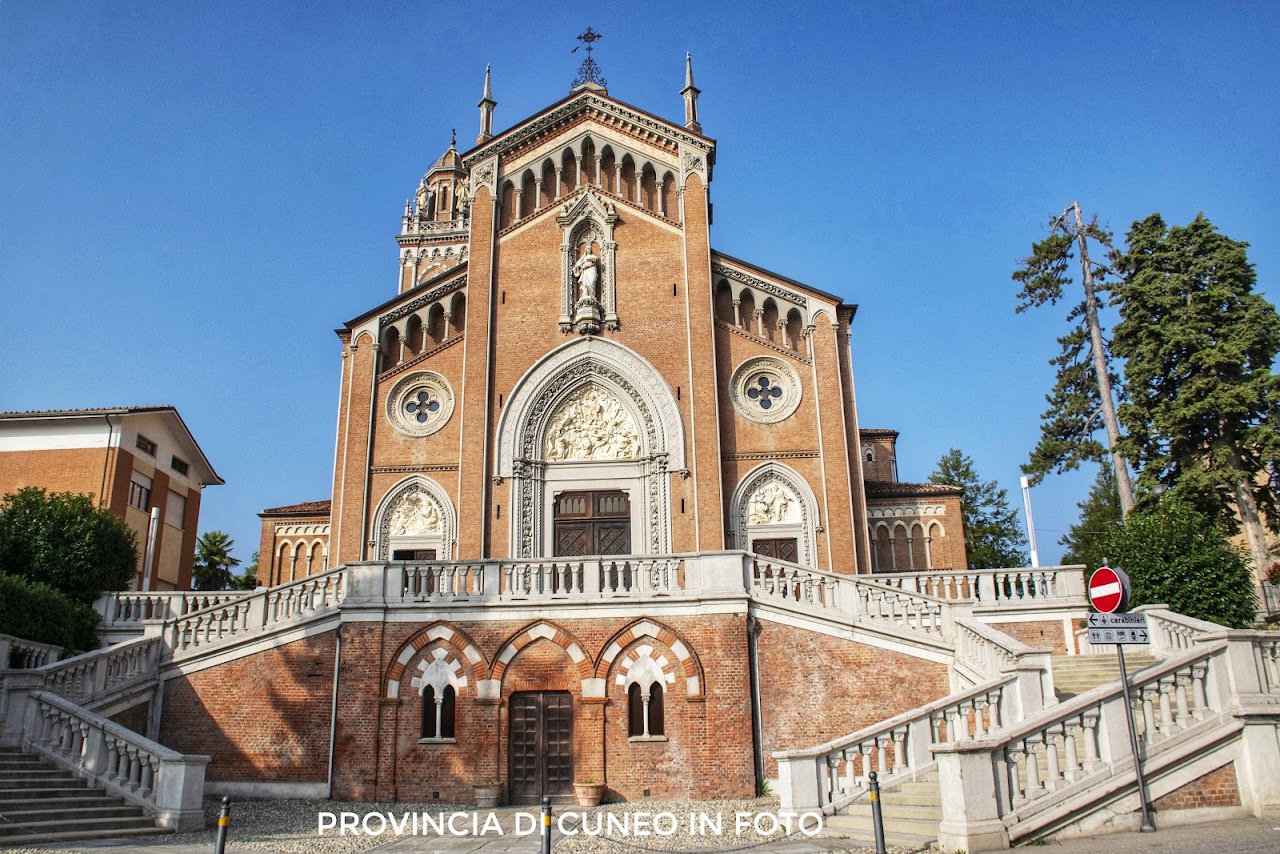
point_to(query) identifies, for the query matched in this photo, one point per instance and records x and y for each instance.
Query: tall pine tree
(1082, 399)
(993, 537)
(1203, 408)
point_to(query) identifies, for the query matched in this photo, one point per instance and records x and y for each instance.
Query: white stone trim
(410, 384)
(782, 377)
(805, 531)
(444, 542)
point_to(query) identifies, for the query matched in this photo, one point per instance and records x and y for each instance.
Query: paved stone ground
(290, 827)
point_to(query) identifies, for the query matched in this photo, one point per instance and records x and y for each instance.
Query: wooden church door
(541, 724)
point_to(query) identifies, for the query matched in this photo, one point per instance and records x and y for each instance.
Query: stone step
(92, 826)
(41, 803)
(897, 833)
(66, 799)
(896, 810)
(58, 811)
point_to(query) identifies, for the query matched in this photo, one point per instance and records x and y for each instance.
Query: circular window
(765, 389)
(420, 404)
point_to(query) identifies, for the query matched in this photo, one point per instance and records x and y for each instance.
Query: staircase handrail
(30, 654)
(92, 677)
(163, 782)
(878, 601)
(1172, 632)
(994, 588)
(127, 609)
(835, 773)
(983, 652)
(261, 609)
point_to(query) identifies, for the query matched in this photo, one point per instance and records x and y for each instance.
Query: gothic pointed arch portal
(416, 515)
(774, 503)
(590, 415)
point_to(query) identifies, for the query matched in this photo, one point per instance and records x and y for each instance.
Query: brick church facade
(561, 448)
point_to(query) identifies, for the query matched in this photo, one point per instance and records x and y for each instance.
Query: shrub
(37, 612)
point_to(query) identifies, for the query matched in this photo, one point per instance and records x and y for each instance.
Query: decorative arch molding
(690, 666)
(542, 630)
(432, 498)
(459, 642)
(771, 479)
(522, 442)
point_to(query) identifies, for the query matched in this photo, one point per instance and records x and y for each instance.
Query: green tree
(1100, 518)
(993, 537)
(247, 580)
(212, 568)
(1082, 399)
(1178, 556)
(63, 540)
(1203, 406)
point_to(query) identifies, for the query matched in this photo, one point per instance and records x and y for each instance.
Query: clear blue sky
(194, 195)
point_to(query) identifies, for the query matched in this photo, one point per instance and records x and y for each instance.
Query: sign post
(1109, 593)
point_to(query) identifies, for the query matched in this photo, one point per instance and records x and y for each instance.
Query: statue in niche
(587, 269)
(416, 514)
(592, 425)
(769, 505)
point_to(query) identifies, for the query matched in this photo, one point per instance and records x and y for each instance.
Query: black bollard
(546, 826)
(224, 821)
(877, 818)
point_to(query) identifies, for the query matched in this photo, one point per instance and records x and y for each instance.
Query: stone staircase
(911, 812)
(39, 802)
(1075, 674)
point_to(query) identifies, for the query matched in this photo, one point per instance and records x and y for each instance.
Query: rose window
(765, 389)
(420, 403)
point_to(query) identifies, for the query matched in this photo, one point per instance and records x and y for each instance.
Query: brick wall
(134, 720)
(1039, 633)
(263, 718)
(1216, 789)
(815, 687)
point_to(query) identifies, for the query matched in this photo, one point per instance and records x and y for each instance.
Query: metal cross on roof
(588, 72)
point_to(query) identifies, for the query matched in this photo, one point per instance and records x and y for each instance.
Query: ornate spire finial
(690, 93)
(486, 106)
(453, 137)
(588, 72)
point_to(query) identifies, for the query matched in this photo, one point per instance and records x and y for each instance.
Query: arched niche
(415, 514)
(625, 393)
(774, 502)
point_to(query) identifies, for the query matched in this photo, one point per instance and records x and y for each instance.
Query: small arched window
(438, 711)
(644, 711)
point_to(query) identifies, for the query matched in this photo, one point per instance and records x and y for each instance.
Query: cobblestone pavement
(292, 827)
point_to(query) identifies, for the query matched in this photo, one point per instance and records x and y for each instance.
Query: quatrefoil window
(765, 389)
(764, 392)
(420, 404)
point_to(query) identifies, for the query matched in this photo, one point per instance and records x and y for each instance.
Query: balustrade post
(799, 783)
(1113, 732)
(919, 743)
(178, 789)
(18, 685)
(970, 810)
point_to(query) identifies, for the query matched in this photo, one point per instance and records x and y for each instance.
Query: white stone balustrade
(260, 609)
(21, 654)
(90, 677)
(878, 602)
(983, 653)
(831, 775)
(167, 784)
(123, 613)
(994, 588)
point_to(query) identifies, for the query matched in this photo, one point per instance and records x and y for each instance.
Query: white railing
(167, 784)
(1075, 740)
(880, 603)
(89, 678)
(995, 588)
(445, 582)
(983, 652)
(128, 610)
(21, 654)
(834, 774)
(789, 582)
(260, 610)
(1172, 632)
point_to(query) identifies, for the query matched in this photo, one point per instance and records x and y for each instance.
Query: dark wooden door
(413, 554)
(541, 724)
(782, 548)
(592, 523)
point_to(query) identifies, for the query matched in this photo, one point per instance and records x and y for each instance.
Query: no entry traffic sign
(1109, 590)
